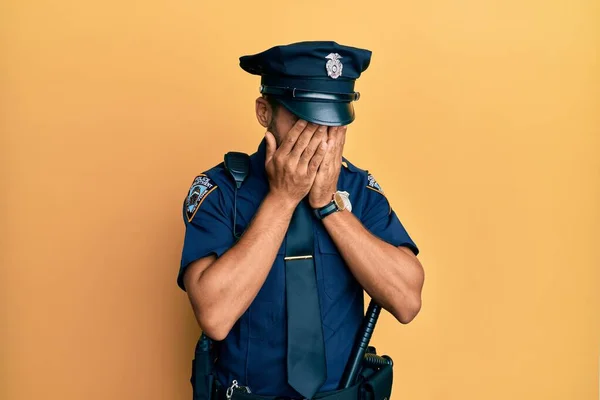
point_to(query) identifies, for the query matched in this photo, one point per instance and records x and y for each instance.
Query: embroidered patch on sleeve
(373, 185)
(201, 187)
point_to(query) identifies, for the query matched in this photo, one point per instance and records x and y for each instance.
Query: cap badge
(334, 65)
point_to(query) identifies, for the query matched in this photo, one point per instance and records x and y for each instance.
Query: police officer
(284, 325)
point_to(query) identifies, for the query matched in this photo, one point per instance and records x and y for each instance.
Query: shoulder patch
(201, 187)
(373, 185)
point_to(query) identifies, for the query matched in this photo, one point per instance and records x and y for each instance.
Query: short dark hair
(274, 107)
(273, 103)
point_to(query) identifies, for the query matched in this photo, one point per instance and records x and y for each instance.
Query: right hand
(292, 167)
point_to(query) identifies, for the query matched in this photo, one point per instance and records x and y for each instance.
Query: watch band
(325, 211)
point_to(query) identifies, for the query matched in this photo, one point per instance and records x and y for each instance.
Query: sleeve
(381, 220)
(207, 224)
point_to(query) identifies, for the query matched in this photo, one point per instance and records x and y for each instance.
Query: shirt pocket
(337, 278)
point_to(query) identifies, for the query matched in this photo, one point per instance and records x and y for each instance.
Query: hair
(274, 108)
(273, 103)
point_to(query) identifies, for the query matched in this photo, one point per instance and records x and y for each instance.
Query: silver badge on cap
(334, 65)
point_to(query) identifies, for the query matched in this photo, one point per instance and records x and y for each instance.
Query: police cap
(313, 80)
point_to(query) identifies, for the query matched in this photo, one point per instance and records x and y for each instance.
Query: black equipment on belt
(367, 376)
(375, 372)
(360, 346)
(202, 377)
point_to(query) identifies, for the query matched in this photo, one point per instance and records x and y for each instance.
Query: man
(284, 325)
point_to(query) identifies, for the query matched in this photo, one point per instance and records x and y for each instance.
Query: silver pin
(334, 66)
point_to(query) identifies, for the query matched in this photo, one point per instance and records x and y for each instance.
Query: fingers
(290, 140)
(342, 131)
(317, 159)
(332, 144)
(319, 137)
(271, 146)
(305, 138)
(341, 138)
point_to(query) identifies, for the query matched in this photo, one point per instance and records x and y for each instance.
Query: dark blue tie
(306, 367)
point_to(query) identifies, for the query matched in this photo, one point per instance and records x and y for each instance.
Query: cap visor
(320, 113)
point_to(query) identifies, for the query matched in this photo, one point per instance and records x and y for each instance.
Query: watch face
(339, 201)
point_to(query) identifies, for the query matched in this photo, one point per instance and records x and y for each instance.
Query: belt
(351, 393)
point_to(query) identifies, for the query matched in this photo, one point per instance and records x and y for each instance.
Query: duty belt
(221, 393)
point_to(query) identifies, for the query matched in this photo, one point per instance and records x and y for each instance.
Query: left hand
(325, 184)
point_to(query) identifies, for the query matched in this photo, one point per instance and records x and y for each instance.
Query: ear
(263, 112)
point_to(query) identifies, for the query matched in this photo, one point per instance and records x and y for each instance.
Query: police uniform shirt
(254, 352)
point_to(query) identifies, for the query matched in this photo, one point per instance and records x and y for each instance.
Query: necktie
(306, 368)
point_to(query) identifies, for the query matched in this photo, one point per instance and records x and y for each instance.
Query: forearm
(391, 276)
(225, 290)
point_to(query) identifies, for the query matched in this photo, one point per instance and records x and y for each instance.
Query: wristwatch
(340, 202)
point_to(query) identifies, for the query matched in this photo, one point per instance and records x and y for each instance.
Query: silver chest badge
(334, 65)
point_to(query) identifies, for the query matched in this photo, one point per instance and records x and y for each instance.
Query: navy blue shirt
(254, 352)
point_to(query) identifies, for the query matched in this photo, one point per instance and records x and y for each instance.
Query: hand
(325, 184)
(292, 167)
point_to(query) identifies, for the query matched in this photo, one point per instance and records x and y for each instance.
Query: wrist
(340, 201)
(283, 203)
(320, 203)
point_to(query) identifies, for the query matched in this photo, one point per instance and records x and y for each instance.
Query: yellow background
(480, 119)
